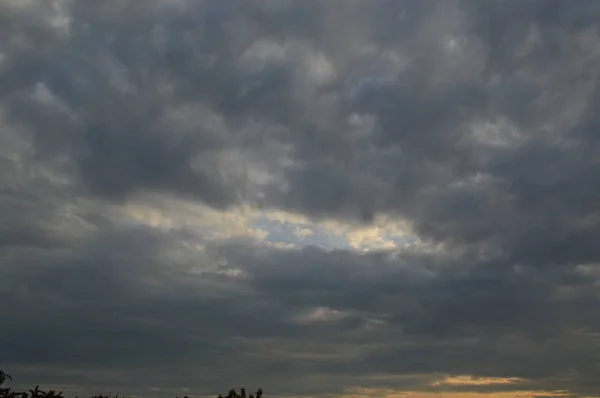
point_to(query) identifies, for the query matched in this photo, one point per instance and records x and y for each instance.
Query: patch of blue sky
(299, 234)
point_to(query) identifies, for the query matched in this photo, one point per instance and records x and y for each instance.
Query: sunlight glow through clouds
(278, 228)
(417, 394)
(477, 381)
(391, 393)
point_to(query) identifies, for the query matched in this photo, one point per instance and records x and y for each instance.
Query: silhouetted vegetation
(233, 394)
(3, 377)
(37, 393)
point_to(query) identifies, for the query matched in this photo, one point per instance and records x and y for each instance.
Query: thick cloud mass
(145, 145)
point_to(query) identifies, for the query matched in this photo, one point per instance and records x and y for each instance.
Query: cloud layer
(357, 198)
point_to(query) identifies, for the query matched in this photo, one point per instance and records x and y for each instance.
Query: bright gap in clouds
(278, 228)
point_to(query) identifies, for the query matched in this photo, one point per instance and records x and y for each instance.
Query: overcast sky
(338, 198)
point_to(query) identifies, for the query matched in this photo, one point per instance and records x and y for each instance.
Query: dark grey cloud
(475, 121)
(406, 315)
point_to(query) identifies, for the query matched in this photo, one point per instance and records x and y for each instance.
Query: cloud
(324, 198)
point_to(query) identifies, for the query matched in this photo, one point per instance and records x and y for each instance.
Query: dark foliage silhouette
(233, 394)
(3, 377)
(37, 393)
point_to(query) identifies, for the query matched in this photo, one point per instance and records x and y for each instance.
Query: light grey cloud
(473, 122)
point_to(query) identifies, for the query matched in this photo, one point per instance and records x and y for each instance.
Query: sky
(321, 198)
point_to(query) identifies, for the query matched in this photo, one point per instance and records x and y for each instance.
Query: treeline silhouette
(37, 393)
(233, 394)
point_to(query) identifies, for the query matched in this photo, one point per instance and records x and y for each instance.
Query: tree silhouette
(233, 394)
(4, 376)
(37, 393)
